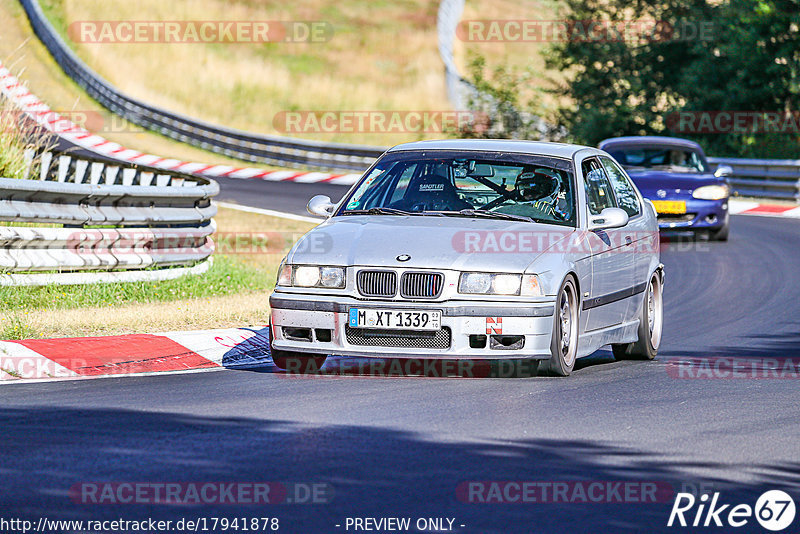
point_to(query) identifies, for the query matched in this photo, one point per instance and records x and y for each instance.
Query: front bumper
(511, 330)
(700, 215)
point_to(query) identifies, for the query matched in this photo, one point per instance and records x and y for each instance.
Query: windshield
(467, 184)
(668, 158)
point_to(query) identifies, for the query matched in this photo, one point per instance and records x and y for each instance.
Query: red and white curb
(40, 112)
(134, 354)
(744, 207)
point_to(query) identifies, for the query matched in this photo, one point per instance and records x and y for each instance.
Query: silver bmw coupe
(475, 249)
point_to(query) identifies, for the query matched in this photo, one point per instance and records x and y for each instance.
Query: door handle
(628, 240)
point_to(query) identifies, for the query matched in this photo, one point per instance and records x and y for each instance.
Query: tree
(734, 55)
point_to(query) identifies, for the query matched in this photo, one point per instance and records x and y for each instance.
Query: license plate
(670, 206)
(395, 319)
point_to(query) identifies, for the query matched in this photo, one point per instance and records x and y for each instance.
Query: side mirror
(321, 205)
(723, 171)
(609, 218)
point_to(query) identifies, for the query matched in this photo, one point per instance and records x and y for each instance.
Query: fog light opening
(506, 342)
(477, 341)
(297, 334)
(323, 335)
(711, 219)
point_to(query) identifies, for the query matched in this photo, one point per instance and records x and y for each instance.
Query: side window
(626, 194)
(598, 191)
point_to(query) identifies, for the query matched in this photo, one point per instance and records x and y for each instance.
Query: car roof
(539, 148)
(648, 140)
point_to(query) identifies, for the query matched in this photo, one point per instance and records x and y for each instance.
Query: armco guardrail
(119, 223)
(234, 143)
(763, 178)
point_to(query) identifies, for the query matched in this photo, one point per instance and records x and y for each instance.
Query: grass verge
(381, 56)
(15, 139)
(232, 293)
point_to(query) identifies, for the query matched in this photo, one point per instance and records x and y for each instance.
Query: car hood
(649, 182)
(432, 242)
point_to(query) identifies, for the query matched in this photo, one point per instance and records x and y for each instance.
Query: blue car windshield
(668, 158)
(467, 184)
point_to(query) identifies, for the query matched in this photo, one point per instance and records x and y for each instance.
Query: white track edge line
(271, 213)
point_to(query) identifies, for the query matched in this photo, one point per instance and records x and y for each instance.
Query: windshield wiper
(377, 211)
(387, 211)
(488, 215)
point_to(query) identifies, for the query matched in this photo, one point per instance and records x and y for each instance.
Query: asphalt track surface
(401, 446)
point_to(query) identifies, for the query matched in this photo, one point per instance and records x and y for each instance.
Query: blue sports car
(676, 176)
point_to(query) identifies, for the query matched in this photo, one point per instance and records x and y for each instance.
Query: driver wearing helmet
(537, 194)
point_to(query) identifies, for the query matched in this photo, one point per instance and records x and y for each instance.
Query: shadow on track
(427, 368)
(253, 355)
(373, 471)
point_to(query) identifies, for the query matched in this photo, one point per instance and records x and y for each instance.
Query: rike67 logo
(774, 510)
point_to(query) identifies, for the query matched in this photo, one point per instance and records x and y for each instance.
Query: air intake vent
(377, 283)
(439, 339)
(421, 285)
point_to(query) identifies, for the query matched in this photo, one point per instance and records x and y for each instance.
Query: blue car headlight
(712, 192)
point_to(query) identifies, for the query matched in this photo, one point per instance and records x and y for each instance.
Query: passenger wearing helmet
(536, 194)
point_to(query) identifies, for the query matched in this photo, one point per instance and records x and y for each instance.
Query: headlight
(712, 192)
(500, 284)
(506, 284)
(331, 277)
(311, 276)
(306, 276)
(475, 283)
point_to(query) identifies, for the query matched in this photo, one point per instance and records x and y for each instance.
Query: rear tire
(564, 343)
(651, 321)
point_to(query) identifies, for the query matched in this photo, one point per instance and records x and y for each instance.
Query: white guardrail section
(447, 19)
(110, 222)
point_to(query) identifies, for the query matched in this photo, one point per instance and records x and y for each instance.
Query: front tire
(651, 320)
(721, 234)
(564, 343)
